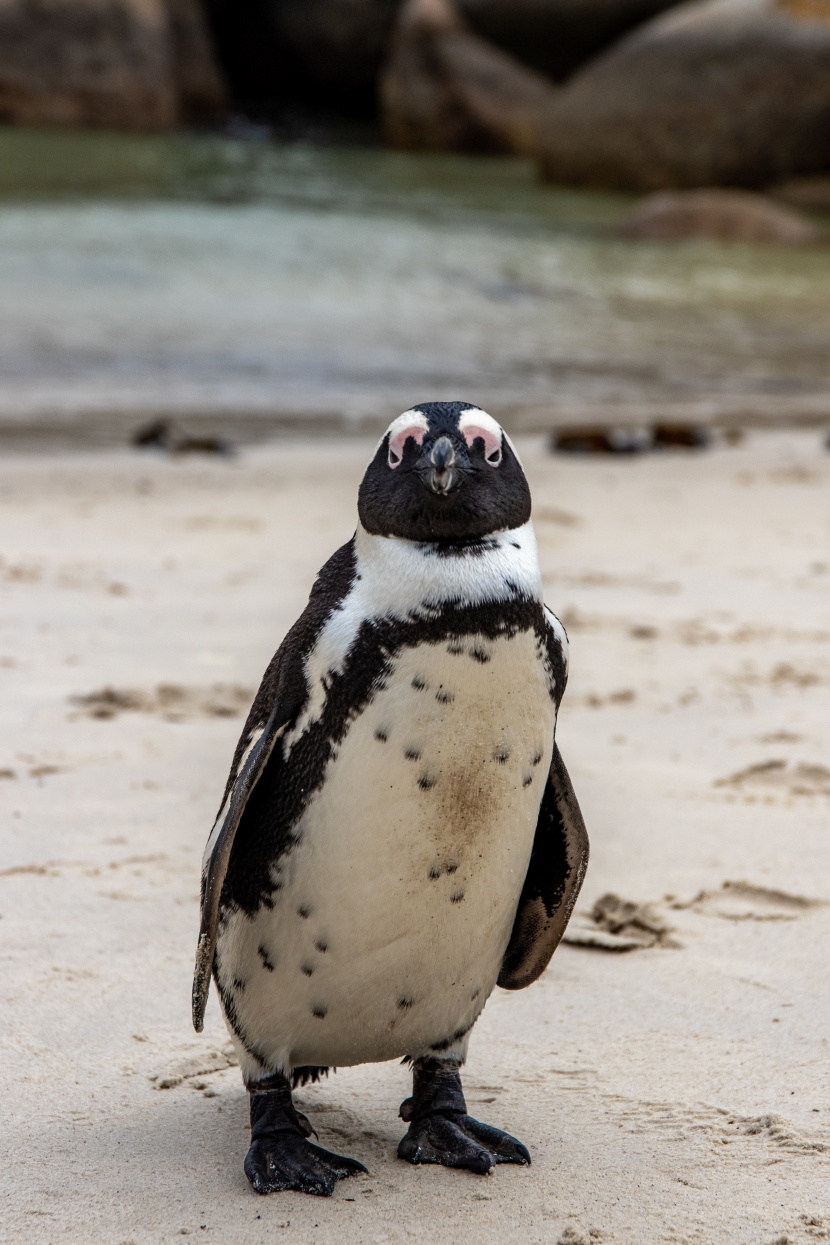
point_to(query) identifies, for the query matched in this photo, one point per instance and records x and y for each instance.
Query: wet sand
(671, 1093)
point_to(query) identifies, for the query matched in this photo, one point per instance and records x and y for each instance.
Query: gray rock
(121, 64)
(723, 215)
(810, 193)
(714, 92)
(557, 36)
(446, 89)
(200, 88)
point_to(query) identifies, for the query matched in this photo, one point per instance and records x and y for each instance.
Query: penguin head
(443, 471)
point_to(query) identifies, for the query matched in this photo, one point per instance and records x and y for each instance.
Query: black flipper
(218, 854)
(278, 702)
(554, 877)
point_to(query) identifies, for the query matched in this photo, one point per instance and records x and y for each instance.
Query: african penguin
(398, 833)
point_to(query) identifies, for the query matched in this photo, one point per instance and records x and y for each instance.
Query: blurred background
(264, 214)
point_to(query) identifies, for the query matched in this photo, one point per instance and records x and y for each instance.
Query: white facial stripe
(412, 423)
(483, 420)
(474, 418)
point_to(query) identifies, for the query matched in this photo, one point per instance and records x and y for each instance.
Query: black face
(439, 477)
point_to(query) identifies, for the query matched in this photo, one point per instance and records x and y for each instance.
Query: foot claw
(288, 1161)
(457, 1140)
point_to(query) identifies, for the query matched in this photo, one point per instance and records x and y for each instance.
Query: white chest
(397, 901)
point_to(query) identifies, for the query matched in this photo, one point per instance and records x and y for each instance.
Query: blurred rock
(679, 436)
(557, 36)
(810, 193)
(121, 64)
(724, 215)
(446, 89)
(714, 92)
(600, 440)
(161, 434)
(200, 88)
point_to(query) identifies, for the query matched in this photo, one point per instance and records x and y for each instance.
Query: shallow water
(200, 274)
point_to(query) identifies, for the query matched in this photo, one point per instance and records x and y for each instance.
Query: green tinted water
(208, 273)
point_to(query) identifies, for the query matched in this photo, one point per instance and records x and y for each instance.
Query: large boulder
(446, 89)
(121, 64)
(557, 36)
(201, 95)
(714, 92)
(721, 215)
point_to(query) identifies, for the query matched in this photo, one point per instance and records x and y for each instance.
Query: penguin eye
(398, 442)
(492, 443)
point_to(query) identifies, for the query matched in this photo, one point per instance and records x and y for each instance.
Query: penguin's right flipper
(554, 877)
(218, 850)
(280, 697)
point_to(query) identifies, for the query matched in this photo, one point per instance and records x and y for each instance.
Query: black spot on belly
(263, 955)
(444, 697)
(412, 754)
(426, 782)
(480, 655)
(308, 969)
(527, 780)
(501, 754)
(455, 647)
(320, 1011)
(239, 984)
(304, 911)
(475, 994)
(439, 870)
(321, 945)
(405, 1002)
(419, 683)
(515, 545)
(536, 758)
(381, 736)
(456, 896)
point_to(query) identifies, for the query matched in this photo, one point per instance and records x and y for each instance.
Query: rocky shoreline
(632, 94)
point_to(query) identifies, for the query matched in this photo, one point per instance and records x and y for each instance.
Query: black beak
(440, 469)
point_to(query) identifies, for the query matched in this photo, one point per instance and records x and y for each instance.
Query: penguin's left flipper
(554, 876)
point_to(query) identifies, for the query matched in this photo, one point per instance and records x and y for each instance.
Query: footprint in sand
(169, 700)
(742, 901)
(616, 924)
(781, 777)
(192, 1069)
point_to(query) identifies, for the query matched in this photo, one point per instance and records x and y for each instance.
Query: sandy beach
(674, 1092)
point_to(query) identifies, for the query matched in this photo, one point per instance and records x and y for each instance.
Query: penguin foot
(287, 1161)
(460, 1141)
(441, 1131)
(280, 1156)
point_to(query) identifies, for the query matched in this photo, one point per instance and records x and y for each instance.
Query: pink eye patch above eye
(399, 440)
(492, 441)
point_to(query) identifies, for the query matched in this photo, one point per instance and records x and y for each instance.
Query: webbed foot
(440, 1131)
(281, 1157)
